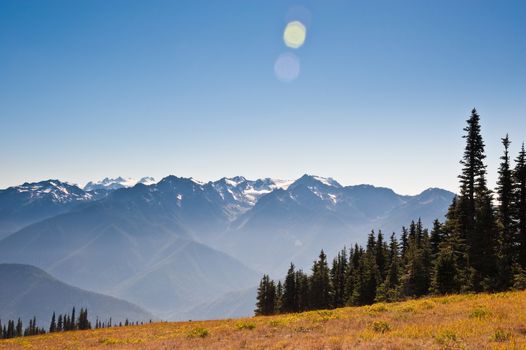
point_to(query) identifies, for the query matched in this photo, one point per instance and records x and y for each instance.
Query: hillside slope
(26, 291)
(455, 322)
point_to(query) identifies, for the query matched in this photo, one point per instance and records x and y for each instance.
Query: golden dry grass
(485, 321)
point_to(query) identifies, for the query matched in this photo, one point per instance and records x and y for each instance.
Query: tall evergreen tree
(389, 289)
(279, 298)
(519, 204)
(505, 252)
(436, 237)
(338, 276)
(414, 277)
(445, 277)
(266, 297)
(381, 255)
(53, 324)
(10, 329)
(303, 291)
(19, 328)
(476, 220)
(290, 292)
(60, 325)
(72, 323)
(367, 276)
(405, 243)
(320, 284)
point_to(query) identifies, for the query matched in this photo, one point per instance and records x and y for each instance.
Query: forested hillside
(480, 247)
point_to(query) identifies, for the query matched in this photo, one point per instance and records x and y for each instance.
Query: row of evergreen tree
(65, 322)
(11, 330)
(481, 246)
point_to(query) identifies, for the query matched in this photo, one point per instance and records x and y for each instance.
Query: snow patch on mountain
(117, 183)
(55, 190)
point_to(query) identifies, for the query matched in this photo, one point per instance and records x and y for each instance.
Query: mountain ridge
(125, 241)
(28, 291)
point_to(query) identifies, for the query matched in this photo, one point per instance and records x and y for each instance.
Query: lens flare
(294, 34)
(287, 67)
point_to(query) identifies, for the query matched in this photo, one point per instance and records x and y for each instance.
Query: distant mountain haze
(27, 292)
(180, 246)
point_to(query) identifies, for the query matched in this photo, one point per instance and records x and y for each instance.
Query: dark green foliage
(279, 298)
(476, 222)
(63, 323)
(83, 322)
(479, 247)
(320, 284)
(436, 238)
(302, 285)
(266, 298)
(290, 293)
(519, 205)
(446, 276)
(338, 276)
(19, 329)
(389, 290)
(505, 251)
(53, 324)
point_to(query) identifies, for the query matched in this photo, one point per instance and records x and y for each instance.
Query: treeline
(481, 247)
(62, 323)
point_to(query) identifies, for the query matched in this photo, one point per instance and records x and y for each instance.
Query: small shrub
(446, 336)
(479, 312)
(381, 326)
(275, 323)
(427, 305)
(501, 335)
(409, 309)
(245, 325)
(109, 341)
(378, 308)
(302, 329)
(198, 333)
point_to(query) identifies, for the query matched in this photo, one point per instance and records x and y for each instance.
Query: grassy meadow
(484, 321)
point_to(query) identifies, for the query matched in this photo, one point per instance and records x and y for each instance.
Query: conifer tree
(519, 204)
(60, 324)
(10, 329)
(446, 273)
(381, 255)
(72, 325)
(320, 284)
(303, 291)
(53, 324)
(505, 252)
(19, 328)
(290, 292)
(476, 220)
(266, 298)
(367, 276)
(414, 278)
(279, 298)
(355, 256)
(405, 243)
(436, 237)
(338, 276)
(389, 289)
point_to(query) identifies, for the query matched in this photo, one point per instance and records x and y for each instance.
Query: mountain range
(181, 248)
(27, 292)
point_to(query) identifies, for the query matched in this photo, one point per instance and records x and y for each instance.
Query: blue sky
(90, 89)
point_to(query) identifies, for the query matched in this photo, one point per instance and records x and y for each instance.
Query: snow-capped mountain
(240, 194)
(117, 183)
(52, 190)
(149, 242)
(313, 213)
(31, 202)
